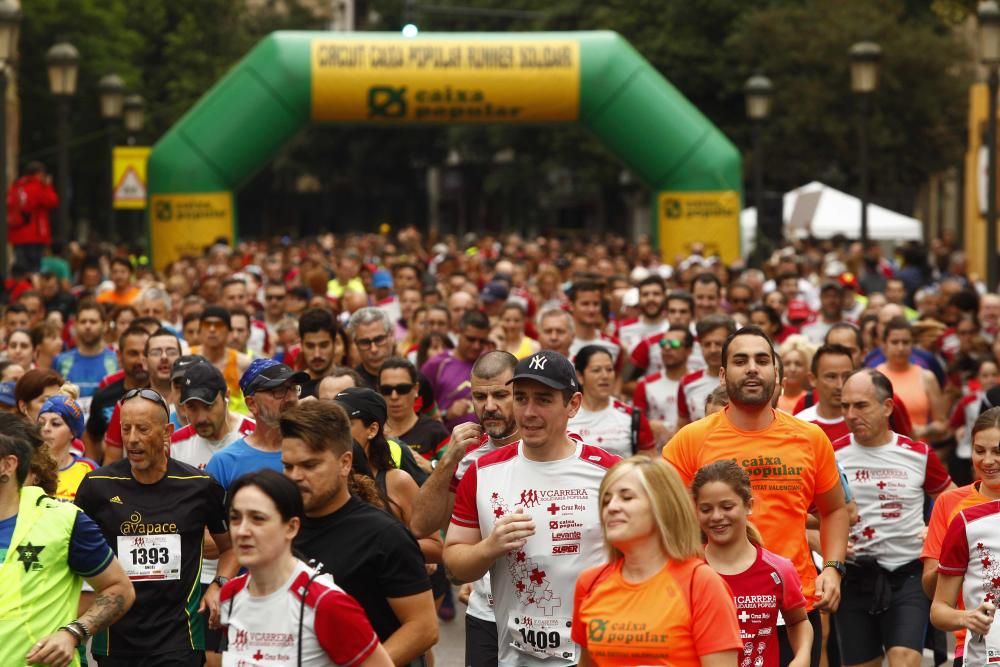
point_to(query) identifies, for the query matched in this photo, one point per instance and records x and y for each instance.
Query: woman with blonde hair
(762, 582)
(796, 357)
(675, 608)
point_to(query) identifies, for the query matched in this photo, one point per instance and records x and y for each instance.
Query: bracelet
(82, 628)
(74, 632)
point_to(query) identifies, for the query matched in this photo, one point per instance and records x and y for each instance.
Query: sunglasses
(365, 343)
(149, 395)
(388, 389)
(672, 343)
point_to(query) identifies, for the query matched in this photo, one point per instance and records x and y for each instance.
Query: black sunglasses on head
(149, 395)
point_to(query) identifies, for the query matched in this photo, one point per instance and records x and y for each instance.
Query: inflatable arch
(293, 78)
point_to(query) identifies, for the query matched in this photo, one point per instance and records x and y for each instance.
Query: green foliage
(173, 51)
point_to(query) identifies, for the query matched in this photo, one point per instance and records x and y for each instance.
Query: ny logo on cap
(538, 362)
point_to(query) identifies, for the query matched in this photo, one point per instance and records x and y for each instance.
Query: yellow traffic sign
(129, 176)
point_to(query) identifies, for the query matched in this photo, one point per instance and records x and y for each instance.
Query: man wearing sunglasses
(271, 389)
(656, 394)
(154, 511)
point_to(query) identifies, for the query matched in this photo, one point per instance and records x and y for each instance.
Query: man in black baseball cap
(545, 463)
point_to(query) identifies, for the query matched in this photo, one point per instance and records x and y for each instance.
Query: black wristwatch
(836, 565)
(221, 581)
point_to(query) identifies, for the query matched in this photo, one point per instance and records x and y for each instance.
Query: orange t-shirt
(112, 296)
(946, 507)
(790, 463)
(683, 612)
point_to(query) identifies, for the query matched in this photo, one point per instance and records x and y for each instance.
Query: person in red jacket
(29, 201)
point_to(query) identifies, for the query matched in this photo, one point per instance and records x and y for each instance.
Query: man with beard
(216, 324)
(656, 395)
(87, 364)
(651, 320)
(790, 463)
(211, 426)
(318, 336)
(132, 357)
(493, 402)
(370, 554)
(271, 389)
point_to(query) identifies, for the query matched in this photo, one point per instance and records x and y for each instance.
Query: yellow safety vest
(39, 593)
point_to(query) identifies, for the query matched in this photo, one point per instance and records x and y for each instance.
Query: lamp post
(758, 91)
(989, 55)
(111, 88)
(865, 58)
(63, 61)
(10, 23)
(135, 115)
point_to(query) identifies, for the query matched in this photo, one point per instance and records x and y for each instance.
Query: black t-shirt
(370, 554)
(368, 379)
(157, 531)
(101, 408)
(426, 436)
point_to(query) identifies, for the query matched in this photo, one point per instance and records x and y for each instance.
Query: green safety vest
(38, 591)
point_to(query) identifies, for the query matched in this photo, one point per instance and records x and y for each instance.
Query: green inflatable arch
(294, 78)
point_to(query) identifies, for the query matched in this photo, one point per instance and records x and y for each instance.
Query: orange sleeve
(578, 633)
(679, 453)
(941, 515)
(827, 474)
(713, 614)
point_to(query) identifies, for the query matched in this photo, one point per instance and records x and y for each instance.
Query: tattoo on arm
(106, 609)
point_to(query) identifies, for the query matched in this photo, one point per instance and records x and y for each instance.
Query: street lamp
(63, 61)
(10, 24)
(865, 58)
(989, 55)
(111, 88)
(758, 91)
(135, 115)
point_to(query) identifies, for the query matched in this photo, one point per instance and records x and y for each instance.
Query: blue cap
(267, 374)
(382, 279)
(7, 394)
(68, 409)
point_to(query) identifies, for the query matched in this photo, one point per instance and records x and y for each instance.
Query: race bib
(542, 636)
(151, 557)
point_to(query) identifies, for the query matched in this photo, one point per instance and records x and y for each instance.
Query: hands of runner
(463, 436)
(464, 592)
(979, 620)
(828, 590)
(210, 602)
(56, 650)
(510, 532)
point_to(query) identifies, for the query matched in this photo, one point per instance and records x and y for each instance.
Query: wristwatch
(221, 581)
(836, 565)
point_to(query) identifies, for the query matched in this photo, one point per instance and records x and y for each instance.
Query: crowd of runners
(309, 452)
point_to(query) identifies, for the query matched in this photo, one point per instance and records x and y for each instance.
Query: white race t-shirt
(533, 586)
(632, 332)
(889, 482)
(265, 630)
(692, 393)
(968, 551)
(609, 343)
(657, 393)
(610, 428)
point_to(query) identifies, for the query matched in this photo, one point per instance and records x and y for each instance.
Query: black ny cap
(548, 367)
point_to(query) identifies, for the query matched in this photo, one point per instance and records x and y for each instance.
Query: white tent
(822, 212)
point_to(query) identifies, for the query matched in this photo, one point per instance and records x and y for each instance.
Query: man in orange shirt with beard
(790, 463)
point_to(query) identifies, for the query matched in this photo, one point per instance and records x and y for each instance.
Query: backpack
(17, 197)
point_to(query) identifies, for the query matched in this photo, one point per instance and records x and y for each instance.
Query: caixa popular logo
(387, 102)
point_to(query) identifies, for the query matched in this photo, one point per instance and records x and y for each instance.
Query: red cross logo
(498, 512)
(553, 508)
(996, 582)
(520, 586)
(743, 616)
(986, 562)
(258, 655)
(537, 576)
(520, 557)
(868, 532)
(881, 485)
